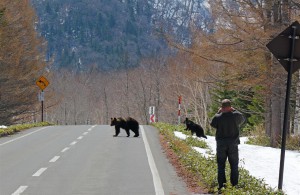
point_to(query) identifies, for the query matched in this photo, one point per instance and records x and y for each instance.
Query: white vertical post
(152, 114)
(179, 104)
(297, 114)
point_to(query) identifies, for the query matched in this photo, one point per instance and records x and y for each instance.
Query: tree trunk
(269, 63)
(276, 105)
(276, 16)
(268, 103)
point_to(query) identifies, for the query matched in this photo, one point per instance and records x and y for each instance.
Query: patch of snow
(206, 4)
(180, 135)
(263, 163)
(203, 152)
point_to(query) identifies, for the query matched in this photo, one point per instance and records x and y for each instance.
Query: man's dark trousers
(230, 150)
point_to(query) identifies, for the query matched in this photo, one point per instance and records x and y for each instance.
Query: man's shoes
(220, 190)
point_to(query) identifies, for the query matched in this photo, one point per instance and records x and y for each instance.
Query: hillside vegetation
(112, 34)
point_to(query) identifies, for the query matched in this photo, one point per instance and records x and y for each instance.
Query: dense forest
(116, 58)
(113, 34)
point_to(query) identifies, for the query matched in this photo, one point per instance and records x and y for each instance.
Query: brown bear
(127, 124)
(194, 128)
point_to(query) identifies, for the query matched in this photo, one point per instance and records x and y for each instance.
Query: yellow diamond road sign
(42, 82)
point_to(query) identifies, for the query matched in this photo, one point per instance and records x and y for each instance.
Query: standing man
(227, 122)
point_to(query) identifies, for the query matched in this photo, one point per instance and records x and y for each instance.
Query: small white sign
(41, 96)
(152, 110)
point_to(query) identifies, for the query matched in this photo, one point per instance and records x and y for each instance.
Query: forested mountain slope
(110, 34)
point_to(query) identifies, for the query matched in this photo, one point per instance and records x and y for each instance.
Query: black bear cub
(194, 128)
(127, 124)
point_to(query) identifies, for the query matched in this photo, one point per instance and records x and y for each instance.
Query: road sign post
(42, 108)
(152, 114)
(286, 48)
(42, 83)
(41, 99)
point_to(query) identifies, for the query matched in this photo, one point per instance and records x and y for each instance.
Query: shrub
(293, 142)
(17, 128)
(258, 137)
(192, 141)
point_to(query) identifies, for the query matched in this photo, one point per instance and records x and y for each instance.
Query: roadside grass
(192, 141)
(293, 143)
(259, 137)
(10, 130)
(205, 169)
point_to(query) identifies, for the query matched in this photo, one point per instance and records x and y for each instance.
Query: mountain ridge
(108, 34)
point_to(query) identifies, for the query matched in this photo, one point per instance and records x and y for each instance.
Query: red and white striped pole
(179, 103)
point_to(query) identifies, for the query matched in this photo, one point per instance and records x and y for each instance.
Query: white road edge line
(156, 179)
(54, 159)
(20, 190)
(65, 149)
(22, 136)
(39, 172)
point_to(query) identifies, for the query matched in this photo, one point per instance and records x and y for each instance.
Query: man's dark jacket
(228, 125)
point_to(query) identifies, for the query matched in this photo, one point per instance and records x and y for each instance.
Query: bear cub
(194, 128)
(127, 124)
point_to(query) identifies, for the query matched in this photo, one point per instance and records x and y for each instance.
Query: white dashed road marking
(39, 172)
(20, 190)
(65, 149)
(91, 128)
(54, 159)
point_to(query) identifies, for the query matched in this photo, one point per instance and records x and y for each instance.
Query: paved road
(69, 160)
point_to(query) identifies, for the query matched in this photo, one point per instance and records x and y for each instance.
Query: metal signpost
(286, 48)
(42, 83)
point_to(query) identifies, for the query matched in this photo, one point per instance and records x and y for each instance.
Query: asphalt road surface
(84, 160)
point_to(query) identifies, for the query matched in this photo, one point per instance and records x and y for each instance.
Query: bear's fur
(127, 124)
(194, 128)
